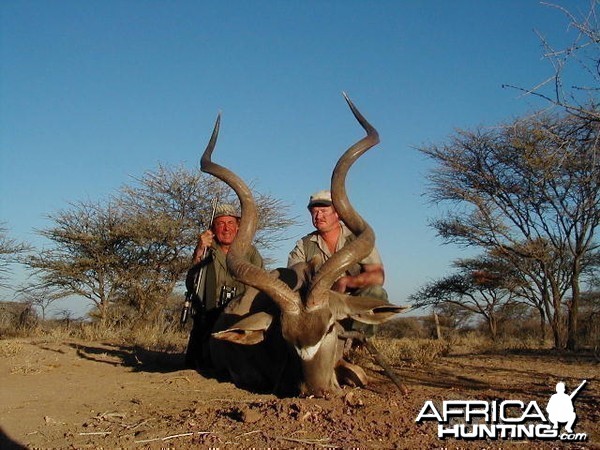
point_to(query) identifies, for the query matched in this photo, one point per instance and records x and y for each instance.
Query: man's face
(324, 218)
(225, 229)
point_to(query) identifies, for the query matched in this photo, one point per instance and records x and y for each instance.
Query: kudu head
(309, 322)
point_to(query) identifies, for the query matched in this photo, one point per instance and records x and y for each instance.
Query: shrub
(412, 351)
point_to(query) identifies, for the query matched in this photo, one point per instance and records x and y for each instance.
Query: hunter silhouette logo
(505, 419)
(560, 407)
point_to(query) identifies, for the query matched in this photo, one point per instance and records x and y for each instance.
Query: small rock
(250, 416)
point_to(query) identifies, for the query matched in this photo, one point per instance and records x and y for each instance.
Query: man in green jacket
(217, 286)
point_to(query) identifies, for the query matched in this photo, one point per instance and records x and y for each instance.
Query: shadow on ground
(6, 443)
(137, 358)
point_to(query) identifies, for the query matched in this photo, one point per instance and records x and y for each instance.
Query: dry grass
(411, 351)
(28, 368)
(422, 352)
(476, 343)
(157, 338)
(400, 351)
(10, 348)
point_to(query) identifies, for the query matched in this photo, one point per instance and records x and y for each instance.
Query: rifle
(187, 304)
(574, 393)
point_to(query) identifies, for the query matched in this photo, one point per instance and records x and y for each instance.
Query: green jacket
(217, 276)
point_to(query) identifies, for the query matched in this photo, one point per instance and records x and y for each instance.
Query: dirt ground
(104, 396)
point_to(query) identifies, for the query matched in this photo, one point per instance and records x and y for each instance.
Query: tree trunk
(574, 309)
(103, 316)
(557, 318)
(438, 332)
(493, 327)
(542, 325)
(558, 329)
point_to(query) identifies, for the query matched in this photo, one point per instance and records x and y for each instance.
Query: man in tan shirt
(331, 234)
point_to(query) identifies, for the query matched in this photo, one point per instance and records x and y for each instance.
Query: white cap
(321, 198)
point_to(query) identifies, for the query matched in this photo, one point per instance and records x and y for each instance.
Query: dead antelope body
(283, 334)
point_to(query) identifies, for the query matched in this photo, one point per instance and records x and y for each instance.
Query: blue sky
(93, 93)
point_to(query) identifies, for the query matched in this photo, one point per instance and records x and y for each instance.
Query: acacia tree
(186, 198)
(530, 191)
(10, 250)
(41, 297)
(453, 316)
(162, 213)
(575, 79)
(541, 282)
(127, 256)
(165, 210)
(590, 315)
(481, 286)
(83, 260)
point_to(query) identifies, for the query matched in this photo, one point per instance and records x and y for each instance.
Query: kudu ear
(248, 331)
(369, 310)
(378, 314)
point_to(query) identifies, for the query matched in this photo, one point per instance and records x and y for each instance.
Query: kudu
(283, 334)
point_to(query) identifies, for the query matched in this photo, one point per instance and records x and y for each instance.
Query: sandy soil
(99, 395)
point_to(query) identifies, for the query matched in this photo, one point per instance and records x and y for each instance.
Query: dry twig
(246, 434)
(107, 415)
(320, 442)
(173, 436)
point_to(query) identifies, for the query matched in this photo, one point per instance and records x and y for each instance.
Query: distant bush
(403, 327)
(411, 351)
(17, 319)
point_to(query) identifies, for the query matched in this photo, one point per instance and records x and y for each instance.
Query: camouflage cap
(226, 209)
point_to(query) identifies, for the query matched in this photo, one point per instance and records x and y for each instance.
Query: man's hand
(341, 284)
(372, 275)
(205, 240)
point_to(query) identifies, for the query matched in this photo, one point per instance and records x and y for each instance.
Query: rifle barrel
(574, 393)
(215, 202)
